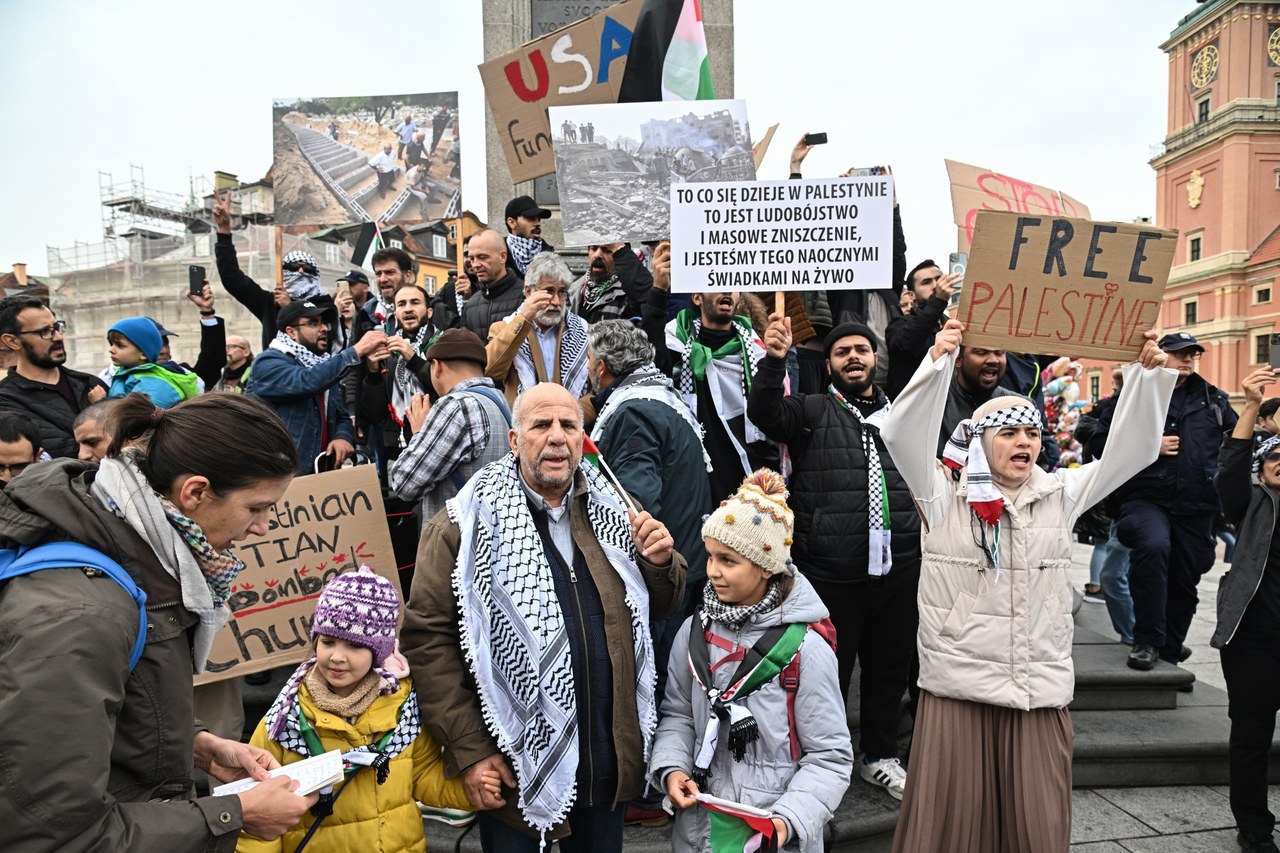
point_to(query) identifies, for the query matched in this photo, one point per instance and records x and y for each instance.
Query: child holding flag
(753, 712)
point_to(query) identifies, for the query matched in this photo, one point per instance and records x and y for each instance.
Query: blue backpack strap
(498, 400)
(64, 555)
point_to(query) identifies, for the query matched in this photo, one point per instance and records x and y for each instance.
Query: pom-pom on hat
(756, 522)
(360, 607)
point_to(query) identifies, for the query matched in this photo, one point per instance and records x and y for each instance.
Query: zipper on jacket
(1272, 497)
(586, 668)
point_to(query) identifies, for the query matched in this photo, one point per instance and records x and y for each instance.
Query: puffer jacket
(804, 793)
(369, 816)
(1253, 511)
(95, 757)
(1005, 639)
(166, 388)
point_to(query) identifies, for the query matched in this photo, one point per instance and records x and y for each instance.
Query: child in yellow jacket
(355, 695)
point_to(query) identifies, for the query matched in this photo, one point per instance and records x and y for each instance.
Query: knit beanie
(756, 522)
(143, 334)
(360, 607)
(844, 330)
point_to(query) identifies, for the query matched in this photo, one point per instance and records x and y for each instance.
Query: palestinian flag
(590, 453)
(736, 828)
(668, 57)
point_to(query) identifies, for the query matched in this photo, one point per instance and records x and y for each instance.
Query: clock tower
(1218, 183)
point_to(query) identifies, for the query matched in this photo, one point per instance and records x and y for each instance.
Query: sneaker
(1093, 594)
(1256, 843)
(1142, 657)
(642, 816)
(887, 773)
(451, 817)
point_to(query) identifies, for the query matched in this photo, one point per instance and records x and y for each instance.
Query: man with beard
(712, 354)
(857, 533)
(541, 341)
(298, 378)
(524, 240)
(38, 387)
(909, 337)
(498, 290)
(388, 386)
(239, 360)
(615, 286)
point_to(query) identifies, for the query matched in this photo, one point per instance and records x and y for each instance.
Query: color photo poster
(384, 158)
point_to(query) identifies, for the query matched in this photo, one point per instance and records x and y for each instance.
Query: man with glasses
(298, 378)
(1167, 511)
(39, 387)
(19, 446)
(239, 360)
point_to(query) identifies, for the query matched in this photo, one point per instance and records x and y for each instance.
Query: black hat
(844, 330)
(164, 333)
(355, 277)
(523, 205)
(1175, 341)
(293, 312)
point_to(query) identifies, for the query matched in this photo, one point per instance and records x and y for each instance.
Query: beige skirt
(985, 779)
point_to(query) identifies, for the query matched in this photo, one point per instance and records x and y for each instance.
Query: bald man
(239, 359)
(501, 291)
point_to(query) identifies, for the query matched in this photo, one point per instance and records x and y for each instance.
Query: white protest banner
(831, 234)
(324, 525)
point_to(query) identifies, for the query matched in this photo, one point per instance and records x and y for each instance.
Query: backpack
(64, 555)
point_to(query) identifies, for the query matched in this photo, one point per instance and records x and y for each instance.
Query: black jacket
(625, 291)
(375, 395)
(260, 301)
(1199, 414)
(493, 304)
(47, 408)
(829, 486)
(908, 338)
(1252, 508)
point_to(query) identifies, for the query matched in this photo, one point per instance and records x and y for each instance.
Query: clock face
(1273, 46)
(1204, 67)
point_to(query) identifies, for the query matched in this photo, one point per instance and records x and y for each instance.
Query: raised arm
(1235, 462)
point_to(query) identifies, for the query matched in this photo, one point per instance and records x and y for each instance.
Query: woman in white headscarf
(991, 755)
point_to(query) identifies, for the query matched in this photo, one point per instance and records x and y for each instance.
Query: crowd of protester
(646, 541)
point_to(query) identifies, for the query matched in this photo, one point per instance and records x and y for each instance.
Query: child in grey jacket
(753, 711)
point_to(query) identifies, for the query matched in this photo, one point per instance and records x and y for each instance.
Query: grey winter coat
(1253, 511)
(804, 793)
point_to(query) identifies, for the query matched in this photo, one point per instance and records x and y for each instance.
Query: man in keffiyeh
(529, 622)
(524, 240)
(388, 386)
(712, 354)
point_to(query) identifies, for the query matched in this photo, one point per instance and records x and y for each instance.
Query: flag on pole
(668, 59)
(736, 828)
(590, 452)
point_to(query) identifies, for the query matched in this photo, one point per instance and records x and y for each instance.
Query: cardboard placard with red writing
(324, 525)
(579, 64)
(974, 189)
(1058, 286)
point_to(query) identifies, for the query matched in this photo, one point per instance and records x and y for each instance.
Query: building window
(1278, 90)
(1095, 387)
(1193, 249)
(429, 284)
(1262, 295)
(396, 244)
(1190, 311)
(332, 255)
(439, 246)
(1262, 348)
(1202, 111)
(1278, 179)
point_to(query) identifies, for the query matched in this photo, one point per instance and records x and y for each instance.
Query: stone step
(1104, 681)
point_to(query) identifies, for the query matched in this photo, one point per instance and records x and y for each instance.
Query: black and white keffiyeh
(648, 383)
(404, 383)
(305, 357)
(514, 635)
(574, 337)
(879, 527)
(1269, 446)
(523, 250)
(733, 615)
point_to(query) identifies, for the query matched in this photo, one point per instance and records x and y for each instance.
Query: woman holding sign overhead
(991, 756)
(114, 585)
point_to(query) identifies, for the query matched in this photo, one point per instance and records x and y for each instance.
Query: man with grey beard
(542, 341)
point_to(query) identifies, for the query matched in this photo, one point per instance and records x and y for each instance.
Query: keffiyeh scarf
(284, 727)
(300, 285)
(523, 250)
(404, 383)
(289, 346)
(574, 337)
(649, 383)
(204, 574)
(1269, 446)
(514, 632)
(879, 527)
(964, 450)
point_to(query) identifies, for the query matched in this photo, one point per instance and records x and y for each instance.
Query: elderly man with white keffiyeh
(529, 623)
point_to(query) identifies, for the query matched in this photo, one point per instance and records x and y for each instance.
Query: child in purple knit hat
(354, 694)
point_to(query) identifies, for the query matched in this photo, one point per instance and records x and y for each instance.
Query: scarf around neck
(301, 286)
(733, 615)
(404, 383)
(879, 526)
(204, 574)
(515, 632)
(574, 337)
(289, 346)
(523, 250)
(649, 383)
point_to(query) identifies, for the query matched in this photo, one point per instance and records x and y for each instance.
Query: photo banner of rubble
(379, 158)
(617, 163)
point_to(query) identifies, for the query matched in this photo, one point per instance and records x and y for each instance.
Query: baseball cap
(523, 205)
(355, 277)
(293, 312)
(1175, 341)
(164, 333)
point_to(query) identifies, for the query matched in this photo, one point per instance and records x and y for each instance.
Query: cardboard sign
(830, 234)
(580, 64)
(761, 148)
(324, 525)
(1058, 286)
(974, 188)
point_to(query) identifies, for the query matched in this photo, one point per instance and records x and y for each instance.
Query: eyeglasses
(306, 268)
(307, 324)
(46, 333)
(1271, 457)
(1184, 355)
(236, 346)
(18, 467)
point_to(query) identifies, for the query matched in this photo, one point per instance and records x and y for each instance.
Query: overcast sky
(1067, 95)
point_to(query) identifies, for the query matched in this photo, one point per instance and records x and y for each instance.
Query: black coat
(908, 338)
(47, 409)
(1253, 509)
(493, 304)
